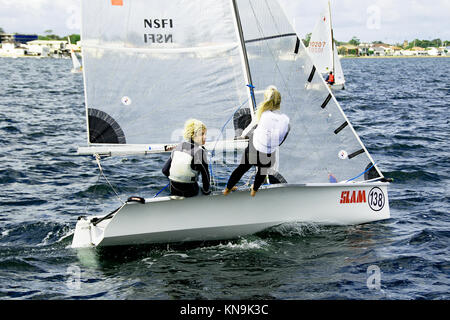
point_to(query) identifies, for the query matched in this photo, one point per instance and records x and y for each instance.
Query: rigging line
(93, 193)
(213, 152)
(373, 165)
(161, 190)
(98, 158)
(223, 127)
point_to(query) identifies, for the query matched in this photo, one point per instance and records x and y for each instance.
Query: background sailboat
(77, 68)
(149, 65)
(323, 49)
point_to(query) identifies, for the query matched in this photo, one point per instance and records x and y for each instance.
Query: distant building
(394, 51)
(17, 38)
(348, 49)
(12, 49)
(13, 44)
(363, 49)
(51, 47)
(420, 51)
(433, 51)
(407, 53)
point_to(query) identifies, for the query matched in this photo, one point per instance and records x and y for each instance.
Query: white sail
(146, 74)
(151, 65)
(338, 72)
(322, 142)
(323, 49)
(321, 43)
(75, 63)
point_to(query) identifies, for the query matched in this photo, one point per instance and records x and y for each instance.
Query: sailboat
(323, 50)
(150, 65)
(77, 68)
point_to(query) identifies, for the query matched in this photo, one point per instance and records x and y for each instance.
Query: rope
(213, 152)
(161, 190)
(98, 158)
(92, 194)
(361, 173)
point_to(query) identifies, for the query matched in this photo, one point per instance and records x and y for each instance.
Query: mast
(244, 57)
(332, 39)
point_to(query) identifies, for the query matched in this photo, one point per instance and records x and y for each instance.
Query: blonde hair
(272, 101)
(192, 127)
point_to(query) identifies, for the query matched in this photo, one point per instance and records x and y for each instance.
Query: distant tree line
(415, 43)
(50, 36)
(74, 38)
(427, 43)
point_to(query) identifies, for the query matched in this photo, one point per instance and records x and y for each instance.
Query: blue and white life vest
(180, 168)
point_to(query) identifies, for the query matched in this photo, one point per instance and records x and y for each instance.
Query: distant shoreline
(391, 57)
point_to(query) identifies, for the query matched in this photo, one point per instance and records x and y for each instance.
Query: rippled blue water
(399, 107)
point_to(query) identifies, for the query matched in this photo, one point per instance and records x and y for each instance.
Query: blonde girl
(272, 128)
(187, 161)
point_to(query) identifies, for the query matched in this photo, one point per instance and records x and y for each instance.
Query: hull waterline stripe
(311, 76)
(357, 153)
(272, 37)
(297, 46)
(341, 128)
(324, 104)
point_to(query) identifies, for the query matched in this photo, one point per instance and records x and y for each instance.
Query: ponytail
(272, 101)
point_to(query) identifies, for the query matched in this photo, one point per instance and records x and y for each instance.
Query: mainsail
(321, 43)
(322, 47)
(150, 65)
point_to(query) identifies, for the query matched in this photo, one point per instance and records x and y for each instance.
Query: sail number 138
(376, 199)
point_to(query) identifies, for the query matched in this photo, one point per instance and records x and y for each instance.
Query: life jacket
(270, 132)
(180, 168)
(331, 78)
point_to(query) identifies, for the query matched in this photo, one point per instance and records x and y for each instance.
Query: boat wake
(294, 229)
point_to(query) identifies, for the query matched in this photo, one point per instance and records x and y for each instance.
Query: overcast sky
(390, 21)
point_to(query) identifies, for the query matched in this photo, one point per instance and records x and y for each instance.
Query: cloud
(25, 16)
(398, 20)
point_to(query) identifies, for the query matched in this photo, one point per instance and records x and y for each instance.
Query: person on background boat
(330, 78)
(272, 128)
(187, 160)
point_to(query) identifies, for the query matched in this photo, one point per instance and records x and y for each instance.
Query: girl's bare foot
(227, 191)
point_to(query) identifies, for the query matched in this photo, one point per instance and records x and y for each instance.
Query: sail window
(371, 172)
(103, 128)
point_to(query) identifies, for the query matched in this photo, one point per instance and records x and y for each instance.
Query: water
(399, 108)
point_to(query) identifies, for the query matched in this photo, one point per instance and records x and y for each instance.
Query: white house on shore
(380, 49)
(15, 45)
(13, 49)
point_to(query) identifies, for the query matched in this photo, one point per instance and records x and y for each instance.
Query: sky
(390, 21)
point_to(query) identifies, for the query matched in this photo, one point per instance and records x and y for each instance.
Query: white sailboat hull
(338, 86)
(216, 217)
